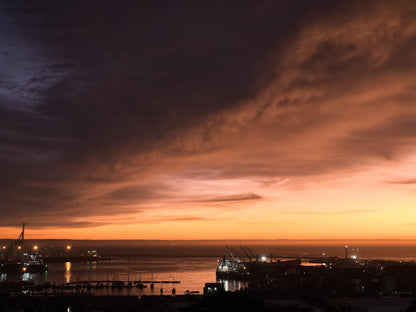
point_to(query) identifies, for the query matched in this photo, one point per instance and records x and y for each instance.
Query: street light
(68, 247)
(35, 247)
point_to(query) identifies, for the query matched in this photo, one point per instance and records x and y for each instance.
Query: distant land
(335, 241)
(380, 248)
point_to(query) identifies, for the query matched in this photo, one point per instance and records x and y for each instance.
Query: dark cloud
(230, 198)
(38, 223)
(329, 212)
(176, 219)
(403, 181)
(100, 103)
(121, 81)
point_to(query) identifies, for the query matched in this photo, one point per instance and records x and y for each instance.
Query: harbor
(114, 278)
(180, 156)
(331, 276)
(90, 272)
(65, 267)
(74, 274)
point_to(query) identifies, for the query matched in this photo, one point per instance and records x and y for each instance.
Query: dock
(99, 284)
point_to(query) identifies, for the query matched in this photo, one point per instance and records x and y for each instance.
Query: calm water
(192, 272)
(193, 265)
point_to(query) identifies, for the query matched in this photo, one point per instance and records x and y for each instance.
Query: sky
(208, 119)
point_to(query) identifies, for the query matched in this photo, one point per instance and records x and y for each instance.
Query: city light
(35, 247)
(68, 247)
(19, 247)
(263, 258)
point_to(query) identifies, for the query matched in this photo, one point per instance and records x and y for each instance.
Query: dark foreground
(94, 303)
(227, 301)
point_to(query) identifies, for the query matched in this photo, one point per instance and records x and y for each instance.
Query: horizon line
(225, 239)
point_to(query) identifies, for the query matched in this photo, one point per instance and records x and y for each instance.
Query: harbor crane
(230, 251)
(22, 235)
(16, 245)
(246, 253)
(249, 253)
(236, 254)
(233, 254)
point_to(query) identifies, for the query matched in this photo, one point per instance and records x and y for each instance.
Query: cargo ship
(233, 267)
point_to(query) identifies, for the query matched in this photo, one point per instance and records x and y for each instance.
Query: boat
(236, 268)
(141, 285)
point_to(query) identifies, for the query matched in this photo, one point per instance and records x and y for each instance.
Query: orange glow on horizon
(356, 205)
(308, 135)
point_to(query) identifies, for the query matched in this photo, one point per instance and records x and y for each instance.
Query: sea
(191, 263)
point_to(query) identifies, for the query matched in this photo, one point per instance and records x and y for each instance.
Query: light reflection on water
(68, 272)
(193, 272)
(233, 285)
(26, 277)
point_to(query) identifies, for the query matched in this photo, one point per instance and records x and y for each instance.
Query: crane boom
(230, 252)
(251, 253)
(22, 234)
(245, 252)
(15, 246)
(236, 254)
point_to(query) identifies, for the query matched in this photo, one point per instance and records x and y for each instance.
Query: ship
(16, 260)
(234, 267)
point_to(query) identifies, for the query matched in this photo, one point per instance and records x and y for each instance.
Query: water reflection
(92, 265)
(193, 272)
(26, 277)
(68, 272)
(232, 285)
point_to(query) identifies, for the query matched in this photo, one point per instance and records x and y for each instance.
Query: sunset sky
(208, 119)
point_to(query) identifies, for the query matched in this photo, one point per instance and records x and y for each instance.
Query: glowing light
(68, 272)
(19, 247)
(35, 247)
(263, 258)
(68, 266)
(24, 269)
(68, 247)
(4, 247)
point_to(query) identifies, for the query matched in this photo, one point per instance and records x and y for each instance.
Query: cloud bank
(151, 108)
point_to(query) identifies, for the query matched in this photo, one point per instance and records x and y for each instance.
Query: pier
(99, 284)
(117, 284)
